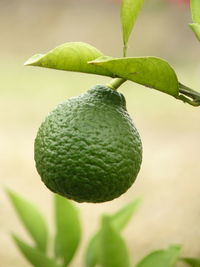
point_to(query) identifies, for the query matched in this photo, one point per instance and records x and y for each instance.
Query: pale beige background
(169, 181)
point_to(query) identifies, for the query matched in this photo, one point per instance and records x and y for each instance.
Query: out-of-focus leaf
(195, 12)
(113, 250)
(122, 217)
(92, 251)
(161, 258)
(34, 255)
(56, 246)
(152, 72)
(72, 56)
(31, 218)
(68, 229)
(119, 220)
(129, 12)
(191, 262)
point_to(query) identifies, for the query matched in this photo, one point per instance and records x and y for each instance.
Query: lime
(88, 148)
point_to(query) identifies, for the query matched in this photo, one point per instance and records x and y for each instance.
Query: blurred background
(169, 178)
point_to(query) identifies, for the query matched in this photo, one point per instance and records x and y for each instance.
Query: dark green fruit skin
(88, 148)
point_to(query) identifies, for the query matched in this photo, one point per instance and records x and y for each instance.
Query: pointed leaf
(161, 258)
(92, 251)
(122, 217)
(68, 230)
(113, 250)
(33, 255)
(149, 71)
(129, 12)
(119, 220)
(32, 219)
(73, 56)
(196, 29)
(192, 262)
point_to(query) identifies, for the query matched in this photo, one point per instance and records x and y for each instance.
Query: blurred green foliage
(106, 248)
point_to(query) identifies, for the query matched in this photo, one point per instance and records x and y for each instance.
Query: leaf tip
(94, 61)
(32, 61)
(10, 194)
(99, 60)
(7, 190)
(14, 236)
(195, 27)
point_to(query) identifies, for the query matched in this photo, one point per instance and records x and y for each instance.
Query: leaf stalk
(188, 95)
(115, 83)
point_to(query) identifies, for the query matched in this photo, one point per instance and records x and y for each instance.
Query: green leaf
(34, 255)
(119, 220)
(196, 29)
(129, 12)
(73, 56)
(113, 250)
(161, 258)
(195, 10)
(152, 72)
(122, 217)
(31, 218)
(92, 251)
(191, 262)
(68, 229)
(149, 71)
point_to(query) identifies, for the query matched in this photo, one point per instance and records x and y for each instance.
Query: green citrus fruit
(88, 148)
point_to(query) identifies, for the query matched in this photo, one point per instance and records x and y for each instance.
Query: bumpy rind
(88, 148)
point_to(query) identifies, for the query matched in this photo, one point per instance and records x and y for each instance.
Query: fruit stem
(115, 83)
